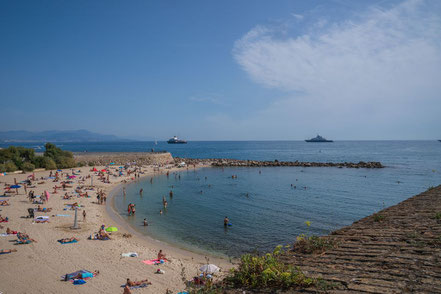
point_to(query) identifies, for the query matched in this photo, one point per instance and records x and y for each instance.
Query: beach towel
(84, 274)
(5, 235)
(129, 254)
(154, 261)
(136, 287)
(73, 241)
(65, 215)
(5, 252)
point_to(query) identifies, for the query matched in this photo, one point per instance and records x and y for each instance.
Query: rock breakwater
(256, 163)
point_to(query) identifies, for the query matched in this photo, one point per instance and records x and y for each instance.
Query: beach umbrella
(209, 269)
(112, 163)
(94, 169)
(59, 170)
(47, 195)
(103, 170)
(71, 177)
(111, 229)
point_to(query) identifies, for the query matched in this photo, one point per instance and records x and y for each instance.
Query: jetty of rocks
(256, 163)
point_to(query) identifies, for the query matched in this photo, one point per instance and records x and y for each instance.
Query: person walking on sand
(84, 215)
(129, 208)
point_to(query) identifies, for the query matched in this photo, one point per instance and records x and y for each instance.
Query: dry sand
(37, 267)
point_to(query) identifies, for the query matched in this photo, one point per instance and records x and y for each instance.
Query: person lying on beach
(4, 219)
(4, 251)
(161, 255)
(10, 232)
(4, 203)
(85, 275)
(24, 238)
(68, 240)
(102, 235)
(66, 196)
(137, 283)
(43, 209)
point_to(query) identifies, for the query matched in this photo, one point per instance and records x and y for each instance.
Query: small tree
(27, 166)
(10, 166)
(48, 163)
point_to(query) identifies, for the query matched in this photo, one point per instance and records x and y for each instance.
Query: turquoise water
(265, 209)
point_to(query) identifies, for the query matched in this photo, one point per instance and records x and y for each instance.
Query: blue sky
(223, 70)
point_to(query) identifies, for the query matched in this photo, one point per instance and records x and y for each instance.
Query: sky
(223, 70)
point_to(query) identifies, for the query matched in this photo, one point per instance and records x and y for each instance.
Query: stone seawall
(256, 163)
(121, 158)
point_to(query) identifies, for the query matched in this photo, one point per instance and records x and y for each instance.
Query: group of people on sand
(131, 209)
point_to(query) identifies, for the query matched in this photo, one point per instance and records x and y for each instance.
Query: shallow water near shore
(263, 207)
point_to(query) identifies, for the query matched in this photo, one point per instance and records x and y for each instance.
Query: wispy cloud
(385, 62)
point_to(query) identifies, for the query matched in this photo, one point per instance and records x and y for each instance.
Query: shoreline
(42, 264)
(114, 215)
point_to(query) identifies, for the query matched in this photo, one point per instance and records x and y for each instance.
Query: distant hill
(56, 136)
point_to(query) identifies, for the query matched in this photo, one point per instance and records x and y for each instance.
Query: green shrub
(267, 271)
(438, 215)
(65, 162)
(378, 217)
(10, 166)
(2, 167)
(48, 163)
(27, 166)
(312, 244)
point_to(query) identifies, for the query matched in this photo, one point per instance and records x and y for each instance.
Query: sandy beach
(39, 266)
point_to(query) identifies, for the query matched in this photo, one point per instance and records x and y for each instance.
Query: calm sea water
(263, 207)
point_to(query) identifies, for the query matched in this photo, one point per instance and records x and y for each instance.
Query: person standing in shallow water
(226, 221)
(171, 194)
(140, 192)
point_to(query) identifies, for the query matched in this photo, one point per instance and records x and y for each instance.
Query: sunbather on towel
(85, 275)
(137, 283)
(10, 232)
(43, 209)
(102, 235)
(4, 203)
(161, 255)
(4, 219)
(4, 251)
(68, 240)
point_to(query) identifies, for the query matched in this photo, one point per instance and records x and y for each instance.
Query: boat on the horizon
(318, 139)
(175, 140)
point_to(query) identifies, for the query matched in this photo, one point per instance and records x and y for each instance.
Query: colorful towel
(154, 261)
(85, 274)
(66, 215)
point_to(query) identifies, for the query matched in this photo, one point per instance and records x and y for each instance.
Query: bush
(27, 166)
(10, 167)
(378, 217)
(65, 162)
(267, 271)
(2, 167)
(48, 163)
(312, 244)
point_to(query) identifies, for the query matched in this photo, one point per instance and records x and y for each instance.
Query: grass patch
(379, 217)
(312, 244)
(438, 215)
(267, 271)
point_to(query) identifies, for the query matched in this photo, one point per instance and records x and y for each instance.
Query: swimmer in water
(145, 223)
(160, 211)
(226, 221)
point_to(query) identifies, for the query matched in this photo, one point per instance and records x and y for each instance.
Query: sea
(268, 206)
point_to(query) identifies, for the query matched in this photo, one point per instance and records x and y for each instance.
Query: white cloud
(383, 63)
(297, 16)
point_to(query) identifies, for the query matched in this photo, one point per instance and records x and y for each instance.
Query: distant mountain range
(56, 136)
